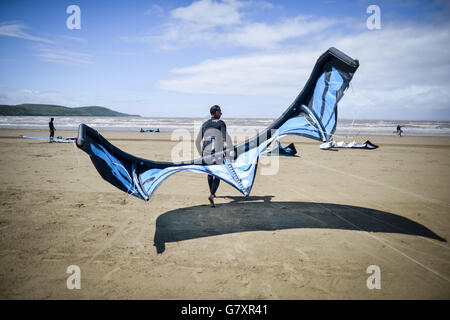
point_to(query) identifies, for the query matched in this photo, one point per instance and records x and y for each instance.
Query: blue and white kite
(313, 114)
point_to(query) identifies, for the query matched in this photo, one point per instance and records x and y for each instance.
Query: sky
(252, 57)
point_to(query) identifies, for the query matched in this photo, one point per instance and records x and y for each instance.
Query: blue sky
(177, 58)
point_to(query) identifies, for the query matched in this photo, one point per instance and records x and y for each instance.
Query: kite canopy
(313, 114)
(149, 130)
(353, 145)
(278, 149)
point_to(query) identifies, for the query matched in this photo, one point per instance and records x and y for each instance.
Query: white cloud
(49, 51)
(18, 96)
(263, 5)
(16, 30)
(63, 56)
(155, 10)
(268, 36)
(210, 23)
(404, 72)
(72, 39)
(258, 74)
(205, 14)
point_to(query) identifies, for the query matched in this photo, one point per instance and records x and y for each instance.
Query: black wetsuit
(213, 133)
(52, 129)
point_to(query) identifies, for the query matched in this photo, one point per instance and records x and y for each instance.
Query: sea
(344, 126)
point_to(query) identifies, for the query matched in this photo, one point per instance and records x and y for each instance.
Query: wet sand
(310, 229)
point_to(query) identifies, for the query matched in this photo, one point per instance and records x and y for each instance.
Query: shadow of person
(245, 214)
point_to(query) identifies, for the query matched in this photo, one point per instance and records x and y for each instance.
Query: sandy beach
(309, 229)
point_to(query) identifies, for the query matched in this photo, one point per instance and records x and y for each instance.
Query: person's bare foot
(211, 201)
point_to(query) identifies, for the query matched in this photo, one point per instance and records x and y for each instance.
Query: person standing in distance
(399, 130)
(214, 133)
(52, 129)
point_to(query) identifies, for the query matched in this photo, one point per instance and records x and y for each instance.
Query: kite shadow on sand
(260, 214)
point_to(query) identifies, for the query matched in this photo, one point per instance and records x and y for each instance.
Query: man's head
(51, 119)
(215, 111)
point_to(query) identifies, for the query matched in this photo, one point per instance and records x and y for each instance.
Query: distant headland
(49, 110)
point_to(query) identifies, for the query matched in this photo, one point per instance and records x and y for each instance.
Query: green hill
(54, 110)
